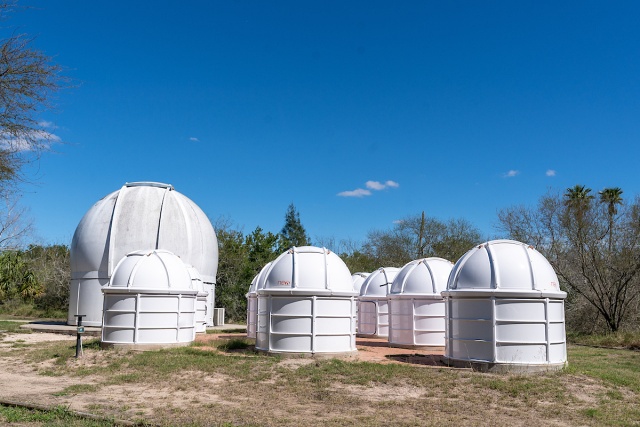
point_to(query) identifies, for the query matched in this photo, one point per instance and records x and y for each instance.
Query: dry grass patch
(218, 381)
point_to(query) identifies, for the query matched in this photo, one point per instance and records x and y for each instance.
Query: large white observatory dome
(139, 216)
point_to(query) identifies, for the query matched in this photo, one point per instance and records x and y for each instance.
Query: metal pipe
(80, 331)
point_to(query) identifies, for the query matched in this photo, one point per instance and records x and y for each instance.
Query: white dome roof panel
(427, 276)
(143, 215)
(89, 248)
(378, 283)
(307, 268)
(151, 270)
(503, 264)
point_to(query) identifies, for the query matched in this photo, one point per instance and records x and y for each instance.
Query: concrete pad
(60, 328)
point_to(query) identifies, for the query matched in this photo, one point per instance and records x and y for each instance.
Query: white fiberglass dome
(378, 283)
(505, 311)
(149, 301)
(252, 301)
(143, 215)
(504, 265)
(151, 270)
(306, 304)
(196, 280)
(358, 280)
(258, 280)
(427, 276)
(308, 269)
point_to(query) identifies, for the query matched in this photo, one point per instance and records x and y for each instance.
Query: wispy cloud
(551, 172)
(358, 192)
(46, 124)
(511, 173)
(377, 185)
(370, 185)
(398, 221)
(36, 138)
(194, 139)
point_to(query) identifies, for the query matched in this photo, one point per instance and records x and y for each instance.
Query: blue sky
(455, 108)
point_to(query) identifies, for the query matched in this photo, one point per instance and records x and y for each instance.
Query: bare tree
(421, 236)
(14, 223)
(28, 79)
(596, 255)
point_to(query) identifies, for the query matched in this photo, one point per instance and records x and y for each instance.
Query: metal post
(79, 333)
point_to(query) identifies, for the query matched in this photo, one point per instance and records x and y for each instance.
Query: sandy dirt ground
(29, 383)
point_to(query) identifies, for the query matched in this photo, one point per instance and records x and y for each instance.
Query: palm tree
(578, 199)
(611, 197)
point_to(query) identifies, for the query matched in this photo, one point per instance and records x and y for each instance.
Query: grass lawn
(223, 382)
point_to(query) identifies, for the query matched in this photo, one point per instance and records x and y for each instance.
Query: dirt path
(29, 382)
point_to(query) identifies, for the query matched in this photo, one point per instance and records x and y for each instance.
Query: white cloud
(551, 172)
(39, 138)
(398, 221)
(46, 124)
(371, 185)
(375, 185)
(511, 173)
(358, 192)
(194, 139)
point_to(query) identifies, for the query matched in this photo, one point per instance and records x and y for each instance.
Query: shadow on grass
(419, 359)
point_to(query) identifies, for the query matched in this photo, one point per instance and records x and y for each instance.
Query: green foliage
(35, 282)
(293, 232)
(17, 280)
(52, 266)
(241, 259)
(358, 261)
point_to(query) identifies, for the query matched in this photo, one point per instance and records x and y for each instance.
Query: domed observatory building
(307, 305)
(201, 300)
(358, 280)
(416, 307)
(252, 301)
(149, 302)
(505, 311)
(373, 306)
(139, 216)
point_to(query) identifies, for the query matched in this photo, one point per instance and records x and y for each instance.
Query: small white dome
(427, 276)
(358, 279)
(378, 283)
(196, 280)
(506, 265)
(258, 280)
(150, 270)
(307, 268)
